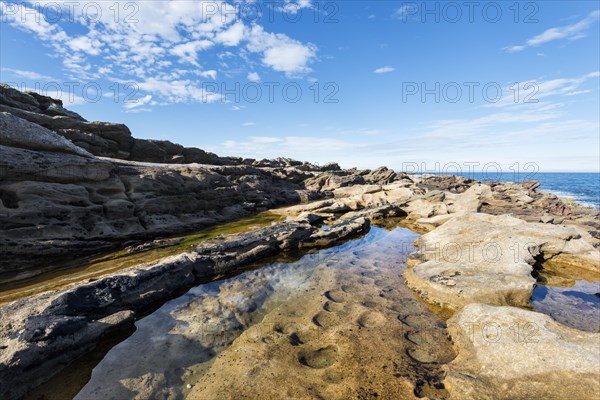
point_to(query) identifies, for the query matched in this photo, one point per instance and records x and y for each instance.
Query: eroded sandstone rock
(511, 353)
(478, 257)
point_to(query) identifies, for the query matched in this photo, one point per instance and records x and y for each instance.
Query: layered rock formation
(59, 200)
(102, 139)
(68, 185)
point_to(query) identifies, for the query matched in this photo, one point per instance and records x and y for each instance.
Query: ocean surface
(583, 187)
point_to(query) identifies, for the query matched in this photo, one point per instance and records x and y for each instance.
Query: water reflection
(577, 306)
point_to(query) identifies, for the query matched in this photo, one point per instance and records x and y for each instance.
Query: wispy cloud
(138, 104)
(536, 91)
(31, 75)
(249, 124)
(384, 70)
(569, 32)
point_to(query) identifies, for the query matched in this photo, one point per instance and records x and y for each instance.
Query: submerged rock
(70, 320)
(321, 358)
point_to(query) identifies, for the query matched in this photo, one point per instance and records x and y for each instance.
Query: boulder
(336, 233)
(426, 206)
(374, 213)
(356, 190)
(381, 176)
(468, 201)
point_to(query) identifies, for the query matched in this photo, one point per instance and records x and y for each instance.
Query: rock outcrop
(471, 257)
(68, 185)
(510, 353)
(55, 202)
(478, 257)
(100, 138)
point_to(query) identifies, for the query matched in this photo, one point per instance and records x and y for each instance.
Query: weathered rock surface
(18, 132)
(522, 200)
(478, 257)
(55, 203)
(360, 200)
(335, 233)
(436, 203)
(510, 353)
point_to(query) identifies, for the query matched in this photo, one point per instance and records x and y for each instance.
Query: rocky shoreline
(69, 186)
(479, 266)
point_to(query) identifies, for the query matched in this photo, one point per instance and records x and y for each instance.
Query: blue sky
(411, 85)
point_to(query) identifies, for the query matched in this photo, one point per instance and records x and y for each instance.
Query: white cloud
(210, 74)
(294, 6)
(304, 3)
(138, 110)
(178, 91)
(280, 52)
(188, 52)
(384, 70)
(249, 124)
(85, 44)
(158, 38)
(253, 77)
(570, 32)
(406, 12)
(130, 105)
(576, 92)
(232, 36)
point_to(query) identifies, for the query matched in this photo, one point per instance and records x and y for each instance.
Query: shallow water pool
(337, 322)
